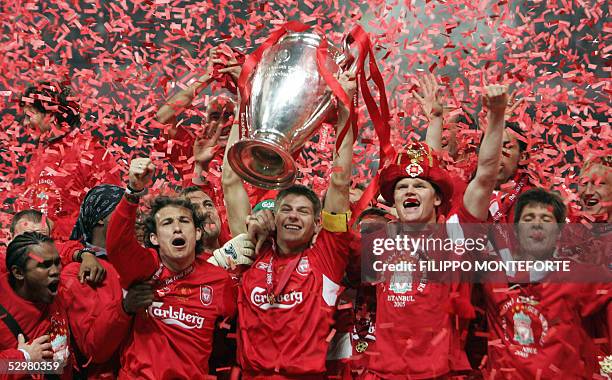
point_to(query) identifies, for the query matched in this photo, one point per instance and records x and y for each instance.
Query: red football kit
(173, 339)
(34, 320)
(286, 337)
(97, 320)
(535, 329)
(60, 174)
(415, 331)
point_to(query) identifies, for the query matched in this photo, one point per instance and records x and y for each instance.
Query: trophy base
(263, 164)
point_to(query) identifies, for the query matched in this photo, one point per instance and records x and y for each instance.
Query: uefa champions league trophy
(289, 99)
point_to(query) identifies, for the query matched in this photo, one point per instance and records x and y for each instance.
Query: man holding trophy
(288, 296)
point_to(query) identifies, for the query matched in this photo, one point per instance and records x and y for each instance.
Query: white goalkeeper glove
(238, 251)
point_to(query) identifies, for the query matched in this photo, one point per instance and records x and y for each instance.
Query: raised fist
(141, 173)
(496, 98)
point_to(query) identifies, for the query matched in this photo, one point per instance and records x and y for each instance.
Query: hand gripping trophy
(287, 88)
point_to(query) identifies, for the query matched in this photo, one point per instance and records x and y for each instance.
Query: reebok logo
(171, 316)
(259, 298)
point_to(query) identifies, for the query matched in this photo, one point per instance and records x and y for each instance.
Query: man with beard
(416, 318)
(214, 234)
(190, 293)
(34, 326)
(535, 325)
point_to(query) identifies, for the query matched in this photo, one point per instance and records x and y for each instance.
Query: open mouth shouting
(210, 226)
(590, 200)
(179, 242)
(411, 204)
(53, 286)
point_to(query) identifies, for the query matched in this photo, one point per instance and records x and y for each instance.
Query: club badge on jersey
(206, 295)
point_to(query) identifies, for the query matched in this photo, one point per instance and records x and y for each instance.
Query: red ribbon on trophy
(378, 113)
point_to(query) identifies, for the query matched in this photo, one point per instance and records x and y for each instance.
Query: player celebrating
(416, 336)
(287, 298)
(190, 293)
(537, 326)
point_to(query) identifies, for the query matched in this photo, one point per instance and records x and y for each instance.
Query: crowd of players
(224, 279)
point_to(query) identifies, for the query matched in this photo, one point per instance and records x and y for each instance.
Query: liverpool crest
(206, 295)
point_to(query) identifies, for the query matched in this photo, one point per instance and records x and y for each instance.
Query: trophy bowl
(289, 101)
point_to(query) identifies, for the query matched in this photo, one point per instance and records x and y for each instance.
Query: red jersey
(60, 174)
(34, 320)
(415, 333)
(173, 339)
(535, 330)
(97, 320)
(288, 337)
(67, 249)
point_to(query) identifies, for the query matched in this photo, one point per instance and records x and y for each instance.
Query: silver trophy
(289, 101)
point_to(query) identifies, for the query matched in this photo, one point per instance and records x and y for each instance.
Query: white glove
(238, 251)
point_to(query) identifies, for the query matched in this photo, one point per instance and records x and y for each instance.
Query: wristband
(26, 355)
(79, 256)
(136, 193)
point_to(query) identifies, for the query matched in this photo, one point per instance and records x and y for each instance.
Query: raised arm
(132, 261)
(481, 187)
(181, 100)
(235, 195)
(337, 197)
(205, 147)
(433, 109)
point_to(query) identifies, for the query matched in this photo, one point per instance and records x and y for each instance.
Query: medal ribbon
(167, 281)
(284, 278)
